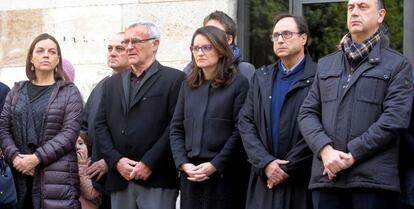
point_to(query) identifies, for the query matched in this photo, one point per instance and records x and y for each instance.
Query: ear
(381, 15)
(304, 37)
(156, 44)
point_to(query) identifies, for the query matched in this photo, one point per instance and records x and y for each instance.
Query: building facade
(82, 28)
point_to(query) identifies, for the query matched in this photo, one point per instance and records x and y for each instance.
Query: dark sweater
(282, 82)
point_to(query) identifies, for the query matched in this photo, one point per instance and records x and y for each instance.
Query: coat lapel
(149, 79)
(306, 78)
(125, 79)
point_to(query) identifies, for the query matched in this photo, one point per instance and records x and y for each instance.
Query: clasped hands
(335, 161)
(130, 169)
(275, 175)
(26, 163)
(198, 173)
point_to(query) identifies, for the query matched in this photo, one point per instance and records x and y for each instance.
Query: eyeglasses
(135, 40)
(204, 48)
(118, 49)
(285, 35)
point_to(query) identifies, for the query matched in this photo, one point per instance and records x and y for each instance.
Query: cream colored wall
(83, 26)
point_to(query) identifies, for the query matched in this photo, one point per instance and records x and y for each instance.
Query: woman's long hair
(58, 73)
(225, 69)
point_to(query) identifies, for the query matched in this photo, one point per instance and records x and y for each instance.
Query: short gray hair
(153, 31)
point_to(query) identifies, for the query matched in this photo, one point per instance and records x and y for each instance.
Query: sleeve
(310, 120)
(105, 142)
(394, 118)
(234, 143)
(177, 135)
(7, 143)
(157, 152)
(256, 151)
(300, 159)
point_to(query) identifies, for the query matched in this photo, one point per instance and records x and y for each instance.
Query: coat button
(270, 97)
(123, 132)
(307, 81)
(385, 76)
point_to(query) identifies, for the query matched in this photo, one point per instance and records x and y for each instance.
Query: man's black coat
(139, 129)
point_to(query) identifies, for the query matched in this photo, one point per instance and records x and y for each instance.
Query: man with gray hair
(133, 125)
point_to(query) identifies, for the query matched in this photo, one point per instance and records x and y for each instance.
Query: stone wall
(82, 28)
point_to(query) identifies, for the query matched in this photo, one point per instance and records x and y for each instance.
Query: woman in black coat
(205, 141)
(39, 126)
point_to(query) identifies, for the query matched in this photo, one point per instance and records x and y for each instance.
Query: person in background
(39, 125)
(205, 140)
(117, 60)
(68, 70)
(223, 22)
(280, 158)
(353, 116)
(90, 198)
(132, 125)
(4, 90)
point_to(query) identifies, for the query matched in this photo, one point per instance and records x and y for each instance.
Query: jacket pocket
(372, 86)
(329, 83)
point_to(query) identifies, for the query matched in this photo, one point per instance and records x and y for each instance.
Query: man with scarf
(223, 22)
(351, 119)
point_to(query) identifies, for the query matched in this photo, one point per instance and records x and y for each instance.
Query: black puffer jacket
(58, 163)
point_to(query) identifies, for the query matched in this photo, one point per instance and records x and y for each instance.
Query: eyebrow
(358, 4)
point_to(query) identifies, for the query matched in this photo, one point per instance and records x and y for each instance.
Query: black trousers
(332, 198)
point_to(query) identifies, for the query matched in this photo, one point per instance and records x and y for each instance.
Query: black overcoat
(255, 130)
(139, 129)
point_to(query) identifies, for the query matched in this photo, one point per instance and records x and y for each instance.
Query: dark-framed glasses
(135, 40)
(285, 35)
(204, 48)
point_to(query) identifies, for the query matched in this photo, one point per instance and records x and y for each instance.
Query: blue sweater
(283, 81)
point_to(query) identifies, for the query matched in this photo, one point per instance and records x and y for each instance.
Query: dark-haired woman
(39, 126)
(205, 141)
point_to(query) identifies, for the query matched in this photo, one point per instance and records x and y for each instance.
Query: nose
(129, 45)
(112, 52)
(46, 55)
(279, 39)
(200, 52)
(355, 11)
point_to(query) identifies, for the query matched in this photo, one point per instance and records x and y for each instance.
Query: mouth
(201, 60)
(355, 23)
